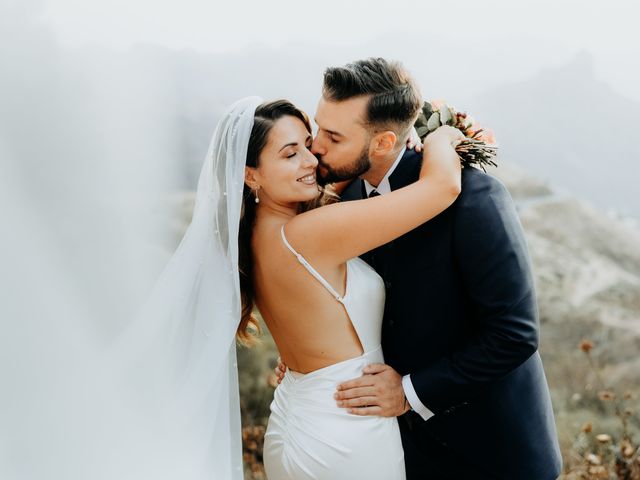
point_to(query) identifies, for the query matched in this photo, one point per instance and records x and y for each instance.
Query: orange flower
(586, 346)
(606, 395)
(437, 104)
(487, 136)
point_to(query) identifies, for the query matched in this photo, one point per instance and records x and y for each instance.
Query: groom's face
(342, 142)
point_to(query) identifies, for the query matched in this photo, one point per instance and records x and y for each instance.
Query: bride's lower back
(311, 328)
(310, 333)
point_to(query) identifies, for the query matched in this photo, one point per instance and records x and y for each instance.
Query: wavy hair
(266, 116)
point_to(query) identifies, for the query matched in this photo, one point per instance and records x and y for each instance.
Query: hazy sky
(210, 25)
(607, 29)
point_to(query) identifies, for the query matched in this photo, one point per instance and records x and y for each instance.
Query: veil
(175, 364)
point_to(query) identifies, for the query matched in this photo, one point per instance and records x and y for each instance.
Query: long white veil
(175, 365)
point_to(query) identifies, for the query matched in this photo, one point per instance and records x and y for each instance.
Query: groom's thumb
(374, 368)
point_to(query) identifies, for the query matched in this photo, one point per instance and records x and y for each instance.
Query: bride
(255, 214)
(322, 304)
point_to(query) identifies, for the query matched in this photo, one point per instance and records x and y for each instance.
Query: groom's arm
(492, 255)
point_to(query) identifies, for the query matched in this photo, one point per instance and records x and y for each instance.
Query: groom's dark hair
(394, 96)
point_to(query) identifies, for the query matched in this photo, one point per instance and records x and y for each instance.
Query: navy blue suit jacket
(461, 318)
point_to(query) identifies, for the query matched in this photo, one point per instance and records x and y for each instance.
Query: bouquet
(479, 148)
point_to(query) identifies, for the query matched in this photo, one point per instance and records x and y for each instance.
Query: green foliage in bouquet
(479, 148)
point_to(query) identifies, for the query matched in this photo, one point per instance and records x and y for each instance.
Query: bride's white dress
(308, 435)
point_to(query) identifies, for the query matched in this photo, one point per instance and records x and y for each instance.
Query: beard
(349, 172)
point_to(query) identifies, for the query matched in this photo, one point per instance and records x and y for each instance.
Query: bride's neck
(270, 210)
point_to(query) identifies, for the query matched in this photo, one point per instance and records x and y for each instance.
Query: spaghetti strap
(310, 269)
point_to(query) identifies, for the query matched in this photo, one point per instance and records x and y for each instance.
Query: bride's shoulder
(267, 239)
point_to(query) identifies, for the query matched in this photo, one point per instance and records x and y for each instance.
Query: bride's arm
(342, 231)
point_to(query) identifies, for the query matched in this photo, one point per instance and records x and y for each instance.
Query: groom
(460, 332)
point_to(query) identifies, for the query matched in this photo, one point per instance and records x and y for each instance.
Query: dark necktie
(374, 193)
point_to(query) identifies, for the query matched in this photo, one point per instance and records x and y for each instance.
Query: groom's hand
(378, 392)
(280, 370)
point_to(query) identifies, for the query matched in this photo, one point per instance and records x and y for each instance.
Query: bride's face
(286, 171)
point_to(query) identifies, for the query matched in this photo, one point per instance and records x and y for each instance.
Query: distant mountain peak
(580, 69)
(582, 63)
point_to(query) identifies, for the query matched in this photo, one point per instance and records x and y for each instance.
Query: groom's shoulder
(412, 158)
(478, 185)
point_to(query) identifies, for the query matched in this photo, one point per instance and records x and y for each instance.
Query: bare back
(310, 326)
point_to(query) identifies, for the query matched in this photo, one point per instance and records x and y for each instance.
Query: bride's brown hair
(266, 115)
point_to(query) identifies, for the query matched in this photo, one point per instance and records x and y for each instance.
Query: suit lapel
(355, 191)
(382, 258)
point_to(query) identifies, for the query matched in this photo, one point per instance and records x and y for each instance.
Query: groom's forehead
(333, 116)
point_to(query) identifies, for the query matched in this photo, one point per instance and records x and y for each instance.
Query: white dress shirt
(410, 392)
(384, 186)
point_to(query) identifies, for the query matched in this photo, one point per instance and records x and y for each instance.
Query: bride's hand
(442, 162)
(414, 141)
(445, 133)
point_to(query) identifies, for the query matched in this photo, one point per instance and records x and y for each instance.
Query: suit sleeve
(492, 255)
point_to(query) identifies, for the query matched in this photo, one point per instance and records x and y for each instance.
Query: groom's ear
(250, 179)
(383, 143)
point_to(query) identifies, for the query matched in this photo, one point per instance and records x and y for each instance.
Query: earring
(257, 200)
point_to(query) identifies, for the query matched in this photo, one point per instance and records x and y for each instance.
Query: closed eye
(332, 137)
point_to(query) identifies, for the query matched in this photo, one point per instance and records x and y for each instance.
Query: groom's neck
(379, 167)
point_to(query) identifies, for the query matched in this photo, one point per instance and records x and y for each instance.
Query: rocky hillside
(586, 262)
(587, 270)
